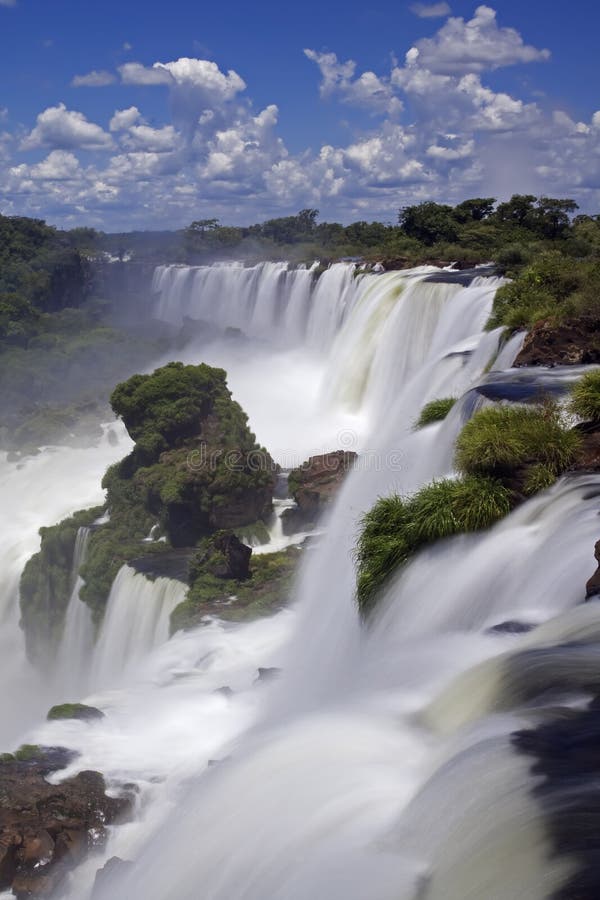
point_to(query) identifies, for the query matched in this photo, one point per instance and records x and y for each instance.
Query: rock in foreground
(45, 829)
(313, 486)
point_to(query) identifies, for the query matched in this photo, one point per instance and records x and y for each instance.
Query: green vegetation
(435, 411)
(264, 592)
(74, 711)
(28, 753)
(504, 454)
(585, 397)
(553, 286)
(504, 441)
(396, 527)
(196, 468)
(46, 584)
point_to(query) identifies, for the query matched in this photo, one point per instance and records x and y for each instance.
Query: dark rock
(75, 711)
(223, 556)
(104, 876)
(592, 588)
(267, 674)
(47, 829)
(170, 564)
(511, 627)
(573, 342)
(313, 486)
(224, 691)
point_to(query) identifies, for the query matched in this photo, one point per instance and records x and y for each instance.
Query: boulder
(592, 588)
(313, 486)
(573, 342)
(223, 556)
(104, 876)
(46, 829)
(75, 711)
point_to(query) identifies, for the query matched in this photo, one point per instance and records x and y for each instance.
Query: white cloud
(368, 90)
(8, 2)
(431, 10)
(136, 73)
(125, 118)
(153, 140)
(58, 166)
(93, 79)
(474, 46)
(3, 113)
(65, 129)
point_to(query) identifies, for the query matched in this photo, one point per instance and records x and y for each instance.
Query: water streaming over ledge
(379, 763)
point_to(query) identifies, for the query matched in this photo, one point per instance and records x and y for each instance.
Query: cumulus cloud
(125, 118)
(476, 45)
(136, 73)
(153, 140)
(368, 90)
(65, 129)
(59, 165)
(8, 2)
(431, 10)
(94, 78)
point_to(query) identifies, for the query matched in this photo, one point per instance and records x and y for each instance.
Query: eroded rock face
(575, 341)
(592, 588)
(47, 829)
(313, 486)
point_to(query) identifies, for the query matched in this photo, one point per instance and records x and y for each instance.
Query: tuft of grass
(585, 397)
(538, 478)
(435, 411)
(500, 440)
(396, 528)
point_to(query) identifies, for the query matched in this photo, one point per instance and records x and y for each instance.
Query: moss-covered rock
(397, 527)
(266, 590)
(74, 711)
(46, 584)
(435, 411)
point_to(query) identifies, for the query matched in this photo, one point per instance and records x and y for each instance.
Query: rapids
(379, 764)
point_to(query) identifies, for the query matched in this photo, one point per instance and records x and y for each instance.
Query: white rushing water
(378, 763)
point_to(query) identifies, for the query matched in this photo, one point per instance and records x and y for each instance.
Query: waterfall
(136, 620)
(380, 763)
(77, 640)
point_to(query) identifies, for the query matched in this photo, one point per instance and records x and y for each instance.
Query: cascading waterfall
(379, 764)
(136, 620)
(78, 637)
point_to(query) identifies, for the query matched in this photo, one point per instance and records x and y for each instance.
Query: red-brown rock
(576, 341)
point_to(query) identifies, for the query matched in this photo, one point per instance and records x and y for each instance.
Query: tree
(519, 210)
(429, 222)
(475, 210)
(554, 216)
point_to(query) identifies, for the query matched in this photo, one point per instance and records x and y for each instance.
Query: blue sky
(129, 114)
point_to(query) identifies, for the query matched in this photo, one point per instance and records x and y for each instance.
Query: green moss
(28, 752)
(46, 584)
(255, 534)
(7, 757)
(435, 411)
(396, 528)
(267, 590)
(74, 711)
(500, 440)
(585, 397)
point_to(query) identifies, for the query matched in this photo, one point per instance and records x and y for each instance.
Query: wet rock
(104, 876)
(46, 829)
(592, 588)
(223, 556)
(313, 486)
(575, 341)
(75, 711)
(224, 691)
(511, 627)
(267, 674)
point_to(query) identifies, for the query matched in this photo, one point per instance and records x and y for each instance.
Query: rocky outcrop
(45, 829)
(313, 486)
(78, 711)
(573, 342)
(592, 588)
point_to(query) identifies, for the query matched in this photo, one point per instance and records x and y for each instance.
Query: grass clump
(435, 411)
(396, 528)
(502, 441)
(585, 397)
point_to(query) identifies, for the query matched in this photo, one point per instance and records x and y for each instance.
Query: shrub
(585, 397)
(500, 440)
(435, 411)
(395, 528)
